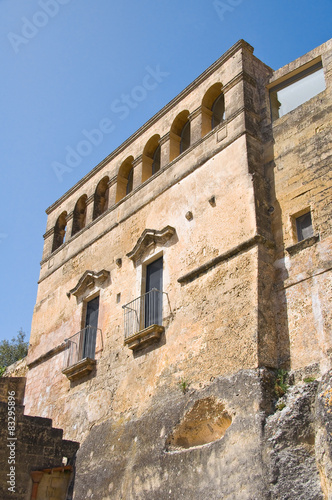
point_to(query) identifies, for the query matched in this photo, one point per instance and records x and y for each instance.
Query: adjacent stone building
(178, 276)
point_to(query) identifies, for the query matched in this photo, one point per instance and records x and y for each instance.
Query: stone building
(178, 276)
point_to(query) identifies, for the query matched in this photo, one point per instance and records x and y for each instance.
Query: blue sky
(64, 65)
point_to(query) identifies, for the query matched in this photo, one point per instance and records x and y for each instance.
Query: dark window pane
(218, 111)
(90, 330)
(130, 181)
(304, 227)
(156, 161)
(185, 137)
(153, 297)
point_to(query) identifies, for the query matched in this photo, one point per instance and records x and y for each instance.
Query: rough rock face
(131, 458)
(237, 449)
(298, 443)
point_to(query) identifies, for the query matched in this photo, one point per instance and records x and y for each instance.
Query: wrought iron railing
(143, 311)
(81, 345)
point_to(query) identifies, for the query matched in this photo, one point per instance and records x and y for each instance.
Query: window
(213, 108)
(185, 137)
(179, 135)
(125, 178)
(143, 316)
(298, 89)
(218, 111)
(59, 231)
(304, 227)
(101, 198)
(130, 181)
(153, 295)
(80, 351)
(156, 161)
(91, 326)
(79, 215)
(151, 157)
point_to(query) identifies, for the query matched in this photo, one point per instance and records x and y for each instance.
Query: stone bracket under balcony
(80, 369)
(144, 337)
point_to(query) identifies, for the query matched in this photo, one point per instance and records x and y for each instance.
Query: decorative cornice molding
(150, 236)
(89, 278)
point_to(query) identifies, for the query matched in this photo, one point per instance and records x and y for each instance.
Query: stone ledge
(301, 245)
(144, 337)
(80, 369)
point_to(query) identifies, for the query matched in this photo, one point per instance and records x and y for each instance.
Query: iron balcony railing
(81, 345)
(143, 312)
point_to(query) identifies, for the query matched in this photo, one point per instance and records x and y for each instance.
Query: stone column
(112, 186)
(206, 120)
(164, 149)
(195, 119)
(174, 146)
(138, 171)
(146, 167)
(69, 227)
(89, 209)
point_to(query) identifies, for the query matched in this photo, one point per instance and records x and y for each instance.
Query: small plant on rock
(280, 385)
(309, 379)
(280, 406)
(183, 385)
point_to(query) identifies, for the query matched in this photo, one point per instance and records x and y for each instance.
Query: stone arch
(79, 216)
(151, 157)
(59, 231)
(179, 134)
(101, 197)
(125, 178)
(213, 108)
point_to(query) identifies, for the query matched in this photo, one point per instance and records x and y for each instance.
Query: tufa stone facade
(178, 276)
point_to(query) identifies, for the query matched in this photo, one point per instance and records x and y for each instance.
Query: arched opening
(185, 137)
(213, 108)
(79, 216)
(179, 135)
(130, 182)
(151, 157)
(125, 178)
(101, 198)
(59, 231)
(218, 111)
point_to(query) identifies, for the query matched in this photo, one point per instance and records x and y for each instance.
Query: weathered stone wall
(27, 444)
(188, 416)
(302, 178)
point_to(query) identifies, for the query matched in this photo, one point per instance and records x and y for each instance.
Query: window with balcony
(81, 347)
(143, 317)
